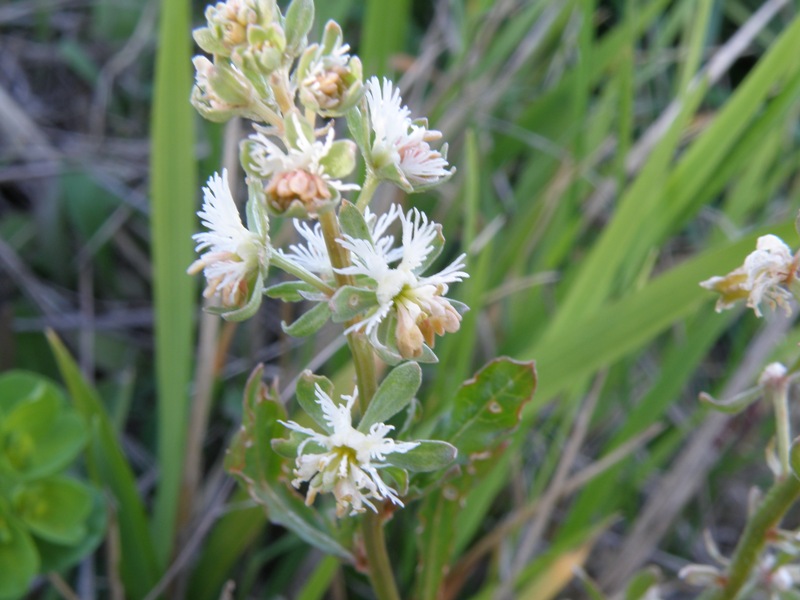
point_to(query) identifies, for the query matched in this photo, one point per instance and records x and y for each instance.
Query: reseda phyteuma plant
(763, 564)
(371, 272)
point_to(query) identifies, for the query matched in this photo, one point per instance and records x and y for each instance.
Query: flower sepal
(255, 294)
(385, 344)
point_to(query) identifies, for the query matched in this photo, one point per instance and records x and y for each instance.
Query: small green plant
(49, 519)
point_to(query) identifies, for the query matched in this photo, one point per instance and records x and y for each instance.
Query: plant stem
(380, 569)
(371, 184)
(363, 361)
(780, 401)
(277, 260)
(776, 503)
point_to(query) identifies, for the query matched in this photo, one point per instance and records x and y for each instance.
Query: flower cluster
(763, 278)
(297, 163)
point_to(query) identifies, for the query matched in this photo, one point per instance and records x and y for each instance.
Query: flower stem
(359, 347)
(286, 265)
(780, 402)
(371, 184)
(776, 503)
(380, 569)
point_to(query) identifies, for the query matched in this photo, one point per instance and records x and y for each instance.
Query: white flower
(234, 253)
(760, 279)
(417, 302)
(400, 151)
(345, 461)
(313, 255)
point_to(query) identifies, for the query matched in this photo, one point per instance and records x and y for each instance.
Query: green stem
(778, 392)
(371, 184)
(278, 261)
(380, 568)
(776, 503)
(269, 115)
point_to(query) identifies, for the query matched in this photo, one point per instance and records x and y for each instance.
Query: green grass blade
(109, 468)
(385, 28)
(173, 190)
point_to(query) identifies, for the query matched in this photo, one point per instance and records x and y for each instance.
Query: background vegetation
(611, 155)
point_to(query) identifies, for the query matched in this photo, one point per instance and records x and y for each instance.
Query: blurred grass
(173, 191)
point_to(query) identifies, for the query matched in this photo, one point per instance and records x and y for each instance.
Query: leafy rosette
(48, 520)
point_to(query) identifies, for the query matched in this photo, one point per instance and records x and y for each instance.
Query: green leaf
(173, 197)
(109, 469)
(19, 561)
(350, 301)
(54, 509)
(259, 469)
(291, 291)
(57, 557)
(310, 322)
(488, 406)
(299, 18)
(429, 455)
(352, 222)
(485, 410)
(393, 395)
(340, 161)
(307, 397)
(41, 435)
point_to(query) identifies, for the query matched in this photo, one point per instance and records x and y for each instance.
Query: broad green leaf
(309, 322)
(259, 469)
(58, 557)
(485, 410)
(54, 509)
(109, 469)
(395, 392)
(19, 561)
(41, 435)
(307, 397)
(488, 406)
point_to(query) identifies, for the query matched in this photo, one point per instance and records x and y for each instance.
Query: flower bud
(229, 23)
(330, 80)
(264, 50)
(220, 92)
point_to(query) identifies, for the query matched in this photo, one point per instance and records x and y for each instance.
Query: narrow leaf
(393, 395)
